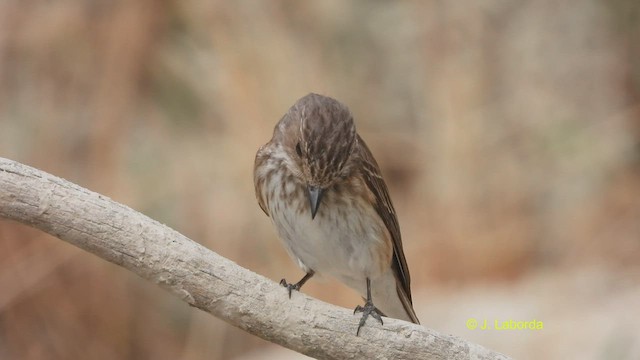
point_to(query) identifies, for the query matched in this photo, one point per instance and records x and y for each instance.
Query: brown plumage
(322, 188)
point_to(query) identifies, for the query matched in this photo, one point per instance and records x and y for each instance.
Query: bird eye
(298, 150)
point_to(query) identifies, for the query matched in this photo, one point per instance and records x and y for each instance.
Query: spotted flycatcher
(320, 185)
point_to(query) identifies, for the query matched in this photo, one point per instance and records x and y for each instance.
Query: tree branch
(208, 281)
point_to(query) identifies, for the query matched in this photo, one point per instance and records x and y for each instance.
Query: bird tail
(390, 298)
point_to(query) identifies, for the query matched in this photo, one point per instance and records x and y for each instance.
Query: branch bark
(209, 281)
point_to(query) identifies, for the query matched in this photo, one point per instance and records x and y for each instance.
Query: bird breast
(347, 239)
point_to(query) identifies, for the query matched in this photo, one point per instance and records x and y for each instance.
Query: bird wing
(259, 177)
(384, 208)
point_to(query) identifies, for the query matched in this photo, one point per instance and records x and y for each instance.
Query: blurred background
(508, 133)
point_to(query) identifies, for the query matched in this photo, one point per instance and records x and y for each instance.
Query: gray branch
(209, 281)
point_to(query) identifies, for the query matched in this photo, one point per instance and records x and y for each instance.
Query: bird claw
(289, 286)
(366, 310)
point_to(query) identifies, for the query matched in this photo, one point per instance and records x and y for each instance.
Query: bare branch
(208, 281)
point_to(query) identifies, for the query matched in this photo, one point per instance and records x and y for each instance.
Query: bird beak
(315, 196)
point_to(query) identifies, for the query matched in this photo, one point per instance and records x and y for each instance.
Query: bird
(323, 190)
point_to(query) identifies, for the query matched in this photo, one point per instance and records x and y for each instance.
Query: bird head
(319, 137)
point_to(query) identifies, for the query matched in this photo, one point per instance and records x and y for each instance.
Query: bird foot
(290, 287)
(366, 310)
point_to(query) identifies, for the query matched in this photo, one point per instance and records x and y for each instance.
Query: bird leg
(297, 285)
(368, 309)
